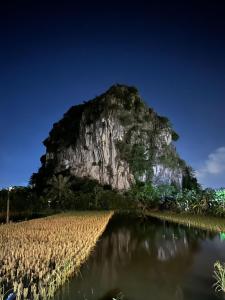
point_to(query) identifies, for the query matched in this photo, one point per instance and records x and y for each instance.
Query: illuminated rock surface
(115, 139)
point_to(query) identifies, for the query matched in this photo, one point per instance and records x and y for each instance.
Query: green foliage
(170, 158)
(217, 205)
(175, 136)
(148, 196)
(3, 199)
(169, 197)
(59, 191)
(21, 198)
(125, 118)
(199, 202)
(119, 90)
(167, 190)
(23, 202)
(66, 131)
(133, 90)
(220, 195)
(145, 193)
(39, 180)
(139, 145)
(185, 199)
(189, 180)
(138, 160)
(84, 193)
(124, 150)
(200, 207)
(195, 202)
(139, 148)
(142, 129)
(164, 121)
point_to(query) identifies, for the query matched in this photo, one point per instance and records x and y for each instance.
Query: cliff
(116, 139)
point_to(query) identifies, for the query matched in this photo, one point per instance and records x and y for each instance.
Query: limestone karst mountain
(115, 139)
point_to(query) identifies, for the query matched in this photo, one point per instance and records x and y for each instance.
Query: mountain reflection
(139, 259)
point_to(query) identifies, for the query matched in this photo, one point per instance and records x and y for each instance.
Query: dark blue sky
(55, 54)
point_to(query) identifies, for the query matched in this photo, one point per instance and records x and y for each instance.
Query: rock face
(115, 139)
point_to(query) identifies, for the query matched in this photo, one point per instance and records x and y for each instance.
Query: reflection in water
(113, 294)
(147, 259)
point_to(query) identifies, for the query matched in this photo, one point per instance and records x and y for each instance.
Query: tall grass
(219, 275)
(199, 221)
(203, 222)
(38, 256)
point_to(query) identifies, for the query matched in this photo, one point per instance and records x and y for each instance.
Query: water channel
(148, 259)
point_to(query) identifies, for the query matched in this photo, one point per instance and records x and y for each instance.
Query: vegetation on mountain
(58, 190)
(145, 143)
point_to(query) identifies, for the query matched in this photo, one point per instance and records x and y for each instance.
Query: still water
(148, 259)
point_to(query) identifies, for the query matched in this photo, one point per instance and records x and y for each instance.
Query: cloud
(213, 167)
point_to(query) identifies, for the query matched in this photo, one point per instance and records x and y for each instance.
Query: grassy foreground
(199, 221)
(38, 256)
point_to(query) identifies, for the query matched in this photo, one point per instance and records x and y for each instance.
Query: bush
(175, 136)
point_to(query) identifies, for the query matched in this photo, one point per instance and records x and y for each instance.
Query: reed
(203, 222)
(219, 275)
(38, 256)
(198, 221)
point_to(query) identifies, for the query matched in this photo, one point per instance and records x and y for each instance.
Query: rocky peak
(116, 139)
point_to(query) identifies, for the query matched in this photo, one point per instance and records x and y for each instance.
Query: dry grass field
(38, 256)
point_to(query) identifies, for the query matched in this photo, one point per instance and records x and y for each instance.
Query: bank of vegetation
(142, 148)
(199, 221)
(191, 205)
(63, 193)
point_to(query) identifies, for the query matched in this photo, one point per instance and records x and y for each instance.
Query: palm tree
(59, 191)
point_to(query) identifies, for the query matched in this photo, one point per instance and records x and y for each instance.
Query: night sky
(55, 54)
